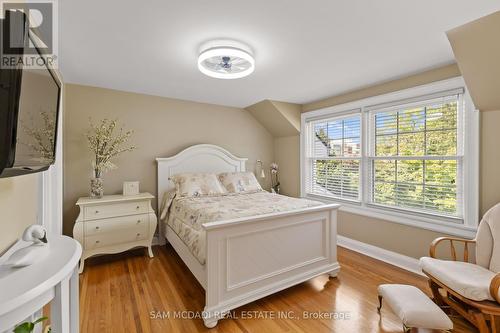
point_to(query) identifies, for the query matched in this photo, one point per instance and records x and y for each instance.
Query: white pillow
(240, 182)
(197, 184)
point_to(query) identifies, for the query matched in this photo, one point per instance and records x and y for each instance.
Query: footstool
(413, 307)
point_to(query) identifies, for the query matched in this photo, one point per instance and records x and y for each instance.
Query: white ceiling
(304, 50)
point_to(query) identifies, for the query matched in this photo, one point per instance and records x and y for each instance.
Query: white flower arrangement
(42, 137)
(106, 144)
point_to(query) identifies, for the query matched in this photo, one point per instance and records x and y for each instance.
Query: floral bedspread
(186, 215)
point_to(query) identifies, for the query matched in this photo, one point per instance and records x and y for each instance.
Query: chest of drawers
(114, 223)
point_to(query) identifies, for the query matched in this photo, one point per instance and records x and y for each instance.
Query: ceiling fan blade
(215, 60)
(238, 61)
(240, 68)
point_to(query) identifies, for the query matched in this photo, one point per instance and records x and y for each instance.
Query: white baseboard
(393, 258)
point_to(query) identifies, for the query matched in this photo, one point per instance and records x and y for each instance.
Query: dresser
(114, 223)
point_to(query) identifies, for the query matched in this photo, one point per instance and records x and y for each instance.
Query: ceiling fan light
(226, 63)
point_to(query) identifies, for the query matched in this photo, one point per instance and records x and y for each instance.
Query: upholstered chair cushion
(484, 245)
(469, 280)
(488, 239)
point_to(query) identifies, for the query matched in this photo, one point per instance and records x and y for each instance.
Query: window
(336, 156)
(415, 159)
(412, 153)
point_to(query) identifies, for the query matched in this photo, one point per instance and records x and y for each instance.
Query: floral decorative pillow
(240, 182)
(197, 184)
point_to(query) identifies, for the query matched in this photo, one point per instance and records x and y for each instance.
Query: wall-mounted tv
(29, 106)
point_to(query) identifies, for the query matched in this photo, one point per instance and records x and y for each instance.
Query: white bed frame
(252, 257)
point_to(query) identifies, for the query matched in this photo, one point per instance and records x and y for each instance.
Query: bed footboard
(250, 258)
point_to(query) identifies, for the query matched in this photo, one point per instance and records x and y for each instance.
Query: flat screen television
(29, 107)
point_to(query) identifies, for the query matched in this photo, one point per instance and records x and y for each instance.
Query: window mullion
(364, 181)
(423, 162)
(396, 188)
(341, 163)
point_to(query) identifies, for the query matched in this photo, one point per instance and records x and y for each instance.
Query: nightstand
(114, 223)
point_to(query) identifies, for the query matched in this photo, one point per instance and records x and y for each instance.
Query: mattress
(186, 215)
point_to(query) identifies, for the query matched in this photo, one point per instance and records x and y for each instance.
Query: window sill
(432, 223)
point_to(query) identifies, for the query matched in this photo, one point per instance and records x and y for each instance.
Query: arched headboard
(197, 158)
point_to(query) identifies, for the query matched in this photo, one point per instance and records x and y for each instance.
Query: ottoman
(413, 307)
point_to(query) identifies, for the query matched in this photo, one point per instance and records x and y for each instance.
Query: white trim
(400, 95)
(417, 101)
(470, 161)
(427, 223)
(51, 200)
(393, 258)
(51, 185)
(419, 220)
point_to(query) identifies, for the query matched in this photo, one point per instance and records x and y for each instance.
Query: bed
(272, 244)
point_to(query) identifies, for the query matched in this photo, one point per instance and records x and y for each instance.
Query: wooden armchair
(470, 289)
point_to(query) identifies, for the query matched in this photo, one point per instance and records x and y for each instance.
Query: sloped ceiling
(476, 46)
(279, 118)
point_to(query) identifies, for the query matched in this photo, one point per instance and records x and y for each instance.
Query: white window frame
(343, 116)
(465, 227)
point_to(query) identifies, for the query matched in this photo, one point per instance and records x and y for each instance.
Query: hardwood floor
(132, 293)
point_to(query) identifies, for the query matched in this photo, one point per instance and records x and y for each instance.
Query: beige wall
(19, 207)
(437, 74)
(162, 128)
(279, 118)
(291, 112)
(395, 237)
(282, 120)
(490, 160)
(391, 236)
(287, 155)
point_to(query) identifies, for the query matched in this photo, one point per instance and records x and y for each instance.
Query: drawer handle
(97, 242)
(97, 212)
(138, 221)
(96, 228)
(137, 207)
(138, 234)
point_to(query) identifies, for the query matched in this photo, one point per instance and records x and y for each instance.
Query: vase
(96, 188)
